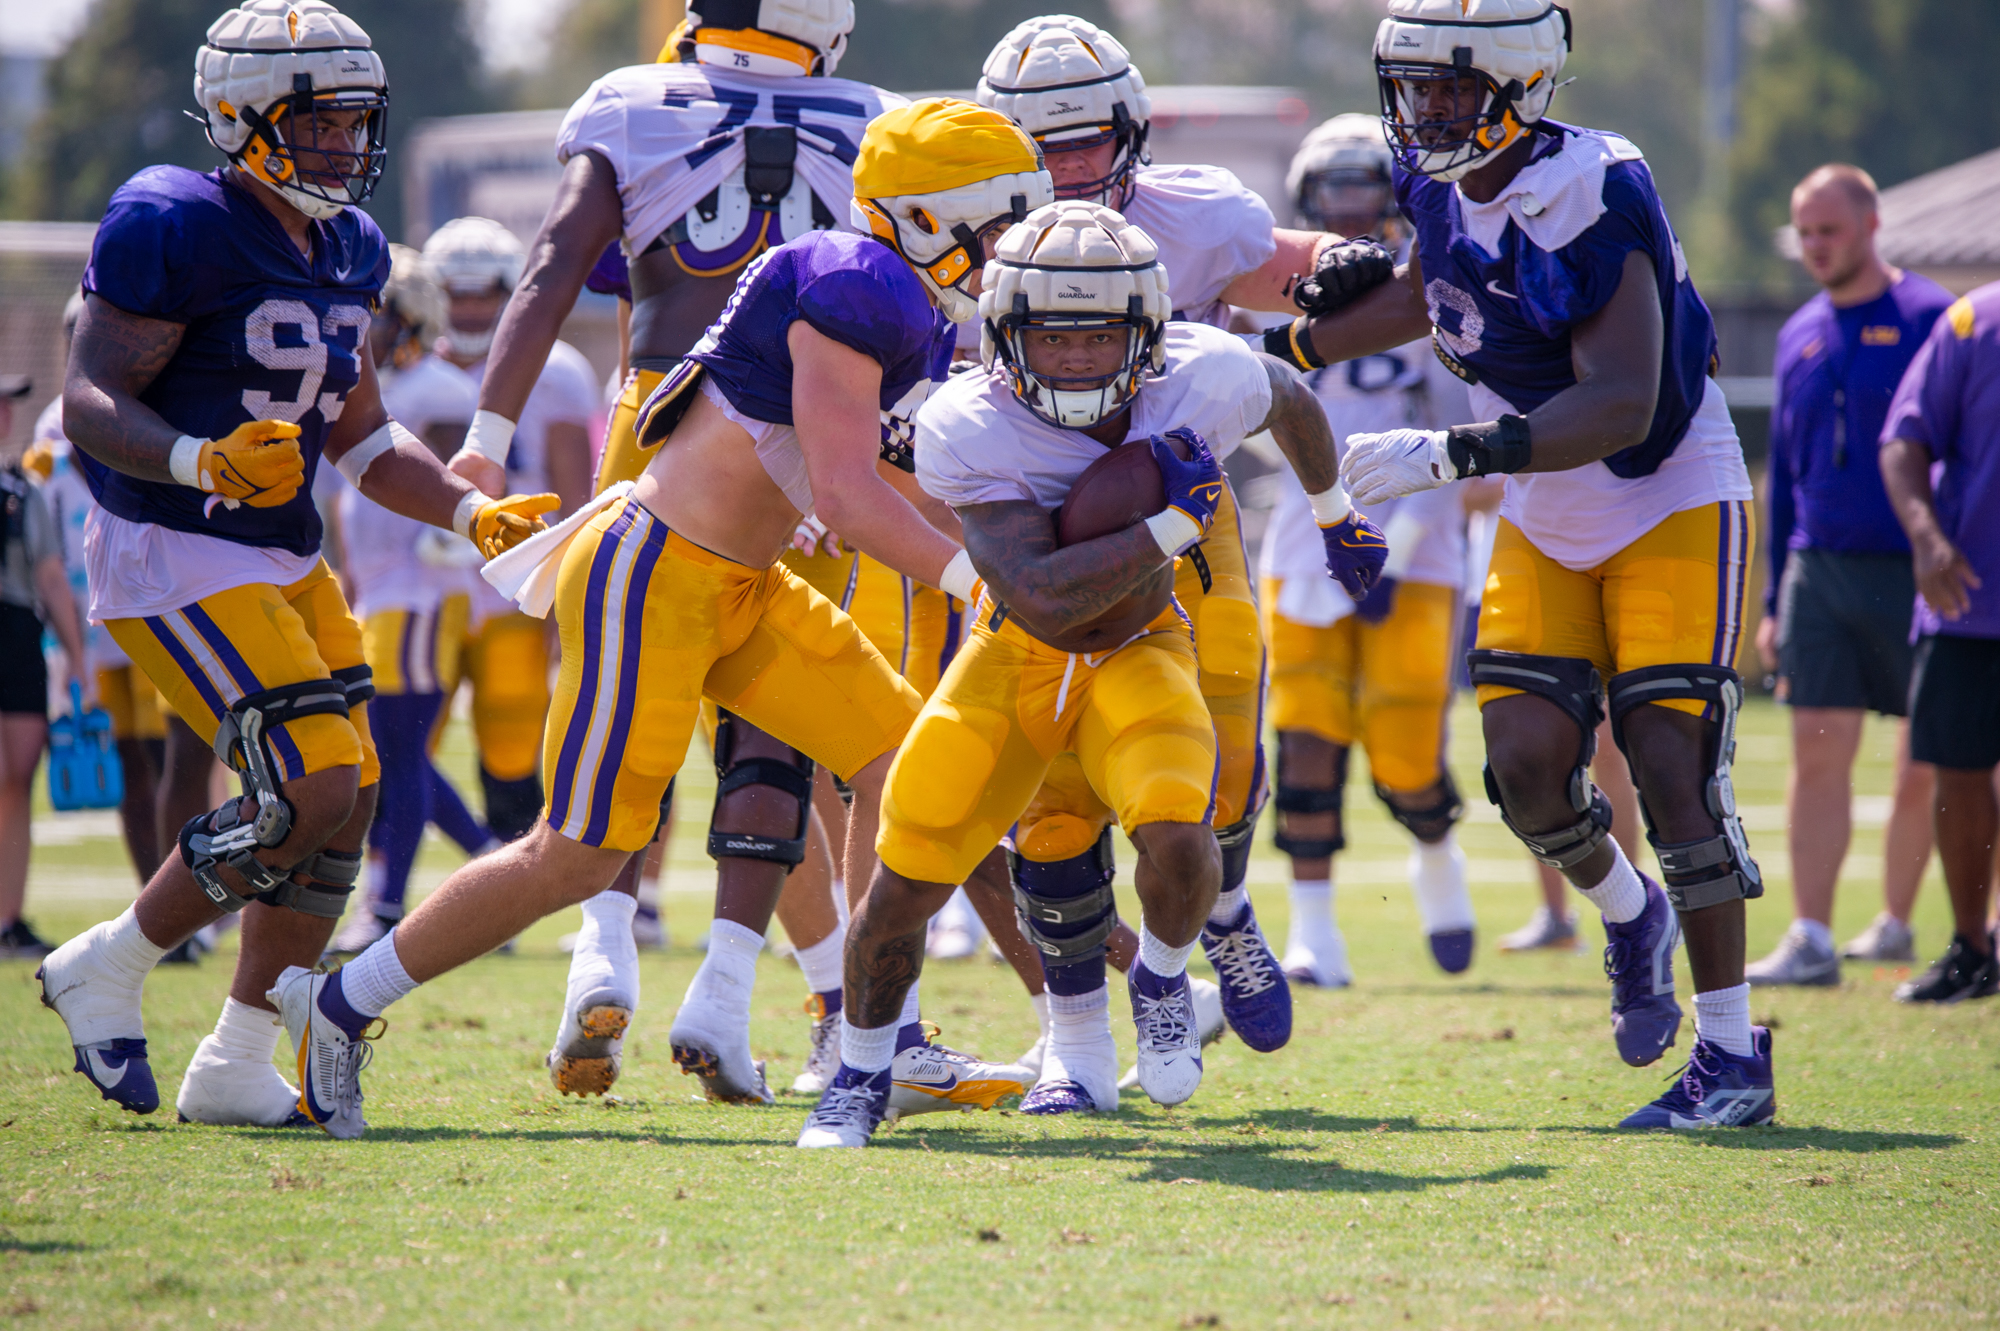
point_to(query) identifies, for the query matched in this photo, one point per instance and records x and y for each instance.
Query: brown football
(1117, 491)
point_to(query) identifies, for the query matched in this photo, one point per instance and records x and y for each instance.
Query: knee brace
(1717, 869)
(1236, 840)
(1067, 907)
(1310, 799)
(332, 875)
(793, 778)
(1574, 686)
(242, 740)
(511, 806)
(1429, 824)
(359, 681)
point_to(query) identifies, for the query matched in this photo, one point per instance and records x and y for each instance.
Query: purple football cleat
(1058, 1097)
(1639, 959)
(121, 1074)
(1255, 997)
(1452, 950)
(1717, 1089)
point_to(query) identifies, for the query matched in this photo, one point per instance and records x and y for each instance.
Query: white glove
(812, 538)
(1396, 462)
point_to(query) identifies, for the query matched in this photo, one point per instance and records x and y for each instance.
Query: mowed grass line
(1426, 1151)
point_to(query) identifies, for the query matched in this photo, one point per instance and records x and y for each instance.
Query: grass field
(1426, 1151)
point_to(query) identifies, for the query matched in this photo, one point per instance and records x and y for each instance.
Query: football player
(670, 592)
(409, 586)
(739, 139)
(1072, 86)
(1379, 672)
(477, 263)
(217, 362)
(1081, 358)
(1553, 284)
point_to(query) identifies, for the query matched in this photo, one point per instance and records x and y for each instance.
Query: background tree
(116, 94)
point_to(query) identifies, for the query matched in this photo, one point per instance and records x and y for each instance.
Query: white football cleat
(1163, 1012)
(590, 1043)
(99, 1004)
(931, 1078)
(330, 1060)
(853, 1105)
(824, 1060)
(1208, 1020)
(236, 1093)
(716, 1050)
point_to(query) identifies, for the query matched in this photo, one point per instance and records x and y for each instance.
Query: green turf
(1426, 1151)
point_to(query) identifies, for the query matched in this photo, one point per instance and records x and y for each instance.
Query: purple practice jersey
(271, 334)
(855, 290)
(1504, 320)
(1949, 401)
(1836, 371)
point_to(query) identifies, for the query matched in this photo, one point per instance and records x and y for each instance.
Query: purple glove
(1355, 553)
(1381, 599)
(1194, 486)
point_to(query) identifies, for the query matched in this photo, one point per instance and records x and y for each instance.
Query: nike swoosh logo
(1495, 289)
(101, 1072)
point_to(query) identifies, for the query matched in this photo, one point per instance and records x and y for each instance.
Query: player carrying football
(1554, 285)
(1081, 358)
(217, 361)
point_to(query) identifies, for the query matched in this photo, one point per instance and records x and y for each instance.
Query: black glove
(1343, 274)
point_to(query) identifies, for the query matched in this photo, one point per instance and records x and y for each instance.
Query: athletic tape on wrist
(959, 577)
(1330, 506)
(185, 461)
(1174, 530)
(489, 437)
(468, 507)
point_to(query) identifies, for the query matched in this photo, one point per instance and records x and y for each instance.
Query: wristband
(1330, 507)
(355, 460)
(1174, 530)
(185, 461)
(1292, 344)
(959, 577)
(1491, 448)
(489, 437)
(469, 505)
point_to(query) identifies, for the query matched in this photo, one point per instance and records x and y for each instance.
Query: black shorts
(1955, 702)
(24, 675)
(1844, 630)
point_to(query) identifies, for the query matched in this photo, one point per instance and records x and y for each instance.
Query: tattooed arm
(113, 357)
(1298, 423)
(1056, 594)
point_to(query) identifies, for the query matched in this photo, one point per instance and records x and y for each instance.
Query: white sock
(649, 893)
(911, 1012)
(1080, 1019)
(1620, 896)
(247, 1034)
(1041, 1005)
(1437, 877)
(1722, 1017)
(1229, 904)
(126, 950)
(1312, 913)
(867, 1050)
(1819, 935)
(822, 961)
(728, 973)
(1159, 958)
(605, 955)
(376, 978)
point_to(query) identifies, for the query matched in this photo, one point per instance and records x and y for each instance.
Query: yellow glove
(258, 464)
(40, 460)
(499, 525)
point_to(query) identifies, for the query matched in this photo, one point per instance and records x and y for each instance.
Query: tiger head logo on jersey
(1071, 85)
(1461, 80)
(1070, 271)
(294, 94)
(787, 38)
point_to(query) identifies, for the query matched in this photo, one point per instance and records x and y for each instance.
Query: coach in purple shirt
(1837, 608)
(1941, 464)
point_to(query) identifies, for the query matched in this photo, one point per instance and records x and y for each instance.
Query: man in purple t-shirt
(1941, 463)
(1836, 622)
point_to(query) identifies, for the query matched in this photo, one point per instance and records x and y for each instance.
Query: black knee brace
(1712, 870)
(511, 806)
(1067, 907)
(793, 778)
(359, 681)
(332, 875)
(1237, 840)
(1428, 824)
(1574, 686)
(1310, 799)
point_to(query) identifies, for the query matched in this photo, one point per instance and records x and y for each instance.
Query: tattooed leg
(885, 946)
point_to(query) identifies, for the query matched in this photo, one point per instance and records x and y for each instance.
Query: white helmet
(933, 179)
(1074, 265)
(1511, 50)
(1071, 85)
(469, 256)
(267, 59)
(414, 301)
(1341, 171)
(783, 37)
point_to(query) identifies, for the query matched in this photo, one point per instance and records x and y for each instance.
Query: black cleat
(1959, 974)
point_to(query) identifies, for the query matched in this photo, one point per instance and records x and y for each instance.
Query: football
(1118, 490)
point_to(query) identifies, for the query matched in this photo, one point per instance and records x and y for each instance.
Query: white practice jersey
(565, 394)
(674, 132)
(70, 502)
(976, 443)
(391, 562)
(1405, 388)
(1210, 229)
